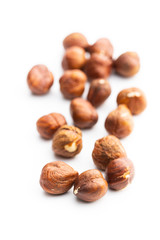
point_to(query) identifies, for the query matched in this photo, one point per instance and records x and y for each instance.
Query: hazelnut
(107, 149)
(74, 58)
(75, 39)
(103, 46)
(119, 173)
(83, 113)
(67, 141)
(48, 124)
(134, 98)
(90, 186)
(119, 122)
(127, 64)
(57, 177)
(99, 91)
(72, 83)
(98, 66)
(40, 79)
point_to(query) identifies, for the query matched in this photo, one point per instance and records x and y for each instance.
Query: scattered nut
(57, 177)
(48, 124)
(119, 173)
(40, 79)
(103, 46)
(119, 122)
(90, 186)
(67, 141)
(75, 39)
(107, 149)
(72, 83)
(127, 64)
(99, 91)
(134, 98)
(83, 113)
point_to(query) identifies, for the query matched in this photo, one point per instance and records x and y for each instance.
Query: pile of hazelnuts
(108, 154)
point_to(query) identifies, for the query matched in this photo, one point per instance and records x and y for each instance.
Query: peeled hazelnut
(119, 122)
(74, 58)
(57, 177)
(67, 141)
(75, 39)
(127, 64)
(72, 83)
(90, 186)
(106, 150)
(98, 66)
(83, 113)
(119, 173)
(103, 46)
(99, 91)
(134, 98)
(40, 79)
(48, 124)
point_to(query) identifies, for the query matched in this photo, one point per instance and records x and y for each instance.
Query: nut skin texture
(119, 122)
(106, 150)
(134, 98)
(67, 141)
(119, 173)
(72, 83)
(40, 79)
(90, 186)
(75, 39)
(74, 58)
(48, 124)
(57, 177)
(102, 46)
(98, 66)
(127, 64)
(99, 91)
(83, 113)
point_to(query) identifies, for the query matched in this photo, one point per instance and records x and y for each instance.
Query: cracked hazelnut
(40, 79)
(74, 58)
(48, 124)
(127, 64)
(106, 150)
(90, 186)
(119, 122)
(83, 113)
(67, 141)
(72, 83)
(75, 39)
(119, 173)
(103, 46)
(134, 98)
(99, 91)
(57, 177)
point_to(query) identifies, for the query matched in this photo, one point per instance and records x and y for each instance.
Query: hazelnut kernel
(102, 46)
(75, 39)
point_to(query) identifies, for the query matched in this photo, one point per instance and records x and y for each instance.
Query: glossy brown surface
(75, 39)
(90, 186)
(103, 46)
(120, 122)
(40, 79)
(83, 113)
(107, 149)
(119, 173)
(57, 177)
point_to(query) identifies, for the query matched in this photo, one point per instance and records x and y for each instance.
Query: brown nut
(83, 113)
(57, 177)
(103, 46)
(75, 39)
(67, 141)
(134, 98)
(98, 66)
(127, 64)
(72, 83)
(119, 173)
(99, 91)
(106, 150)
(74, 58)
(90, 186)
(48, 124)
(120, 122)
(40, 79)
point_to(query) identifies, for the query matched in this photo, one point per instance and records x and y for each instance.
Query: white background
(31, 33)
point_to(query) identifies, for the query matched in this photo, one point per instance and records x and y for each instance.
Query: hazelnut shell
(75, 39)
